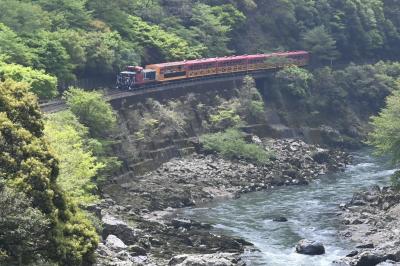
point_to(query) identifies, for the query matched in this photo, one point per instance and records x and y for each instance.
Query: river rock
(183, 223)
(369, 245)
(369, 259)
(280, 219)
(321, 156)
(309, 247)
(217, 259)
(115, 226)
(115, 243)
(136, 250)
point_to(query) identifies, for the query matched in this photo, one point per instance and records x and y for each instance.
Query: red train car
(137, 76)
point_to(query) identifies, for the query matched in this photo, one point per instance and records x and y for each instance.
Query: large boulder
(114, 243)
(216, 259)
(309, 247)
(114, 226)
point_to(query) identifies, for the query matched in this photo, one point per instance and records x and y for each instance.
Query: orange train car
(135, 77)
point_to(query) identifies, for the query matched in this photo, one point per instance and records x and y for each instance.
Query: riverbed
(312, 212)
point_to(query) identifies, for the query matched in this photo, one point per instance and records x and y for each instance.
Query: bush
(92, 110)
(78, 166)
(232, 145)
(40, 83)
(225, 118)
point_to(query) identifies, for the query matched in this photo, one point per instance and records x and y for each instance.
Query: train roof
(226, 58)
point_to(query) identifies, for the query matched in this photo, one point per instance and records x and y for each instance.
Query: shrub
(232, 145)
(78, 165)
(225, 118)
(92, 110)
(40, 83)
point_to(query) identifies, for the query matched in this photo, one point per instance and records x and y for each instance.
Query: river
(312, 213)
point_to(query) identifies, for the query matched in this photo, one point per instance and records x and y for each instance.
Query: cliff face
(152, 131)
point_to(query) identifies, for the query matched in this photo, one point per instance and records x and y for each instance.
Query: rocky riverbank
(137, 212)
(372, 220)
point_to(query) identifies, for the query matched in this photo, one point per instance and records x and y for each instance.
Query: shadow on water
(312, 213)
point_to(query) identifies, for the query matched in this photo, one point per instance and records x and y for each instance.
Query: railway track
(59, 104)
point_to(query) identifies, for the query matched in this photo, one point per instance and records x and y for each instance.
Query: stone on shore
(308, 247)
(216, 259)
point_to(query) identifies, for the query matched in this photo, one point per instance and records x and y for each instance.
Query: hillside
(97, 185)
(89, 38)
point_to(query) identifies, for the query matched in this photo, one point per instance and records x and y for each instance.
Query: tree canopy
(27, 166)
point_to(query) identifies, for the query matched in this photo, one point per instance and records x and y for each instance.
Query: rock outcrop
(372, 220)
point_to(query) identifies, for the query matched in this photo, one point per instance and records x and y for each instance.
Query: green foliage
(167, 46)
(385, 136)
(321, 45)
(231, 144)
(85, 38)
(212, 25)
(225, 118)
(78, 167)
(251, 102)
(27, 166)
(13, 48)
(40, 83)
(24, 17)
(367, 84)
(92, 110)
(52, 56)
(294, 80)
(22, 228)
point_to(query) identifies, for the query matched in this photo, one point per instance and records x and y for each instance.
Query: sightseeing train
(135, 77)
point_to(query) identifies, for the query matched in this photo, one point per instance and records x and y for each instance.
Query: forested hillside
(87, 38)
(52, 167)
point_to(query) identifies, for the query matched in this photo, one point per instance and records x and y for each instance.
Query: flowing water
(312, 213)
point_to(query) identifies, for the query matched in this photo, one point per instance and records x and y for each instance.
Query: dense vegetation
(46, 225)
(326, 91)
(385, 136)
(50, 167)
(88, 38)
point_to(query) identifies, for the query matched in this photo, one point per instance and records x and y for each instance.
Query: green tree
(40, 83)
(321, 45)
(294, 80)
(24, 17)
(78, 167)
(52, 56)
(27, 166)
(13, 48)
(385, 136)
(92, 110)
(22, 228)
(210, 31)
